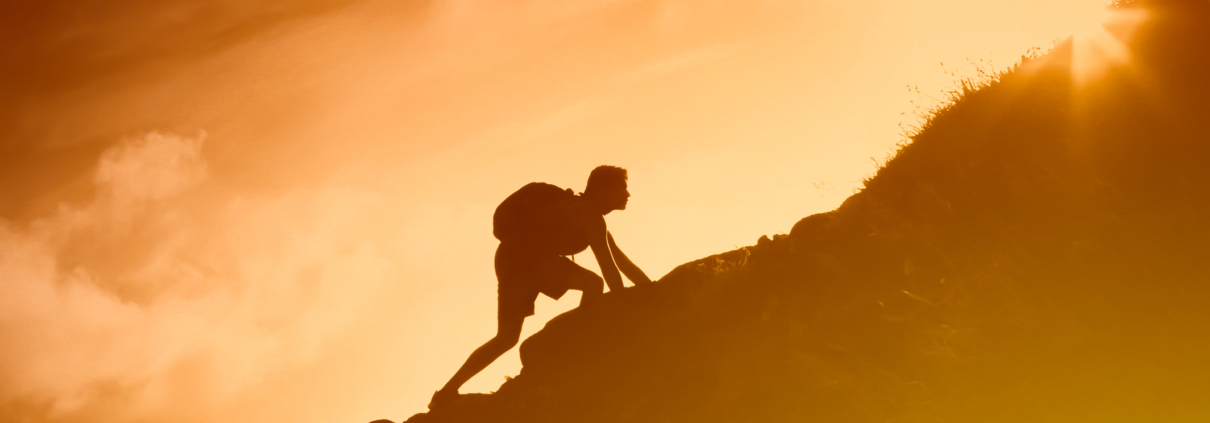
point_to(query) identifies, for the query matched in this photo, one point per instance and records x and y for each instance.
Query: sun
(1101, 42)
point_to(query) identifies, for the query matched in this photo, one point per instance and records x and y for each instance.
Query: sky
(251, 211)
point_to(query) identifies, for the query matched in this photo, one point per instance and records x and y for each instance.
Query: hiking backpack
(539, 216)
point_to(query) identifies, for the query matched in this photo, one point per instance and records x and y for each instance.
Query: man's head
(607, 188)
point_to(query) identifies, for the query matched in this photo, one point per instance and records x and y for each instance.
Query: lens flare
(1100, 44)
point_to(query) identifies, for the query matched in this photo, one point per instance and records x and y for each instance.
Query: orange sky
(257, 211)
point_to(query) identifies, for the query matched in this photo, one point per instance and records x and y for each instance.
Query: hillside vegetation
(1037, 253)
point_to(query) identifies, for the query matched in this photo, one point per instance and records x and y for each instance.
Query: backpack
(539, 216)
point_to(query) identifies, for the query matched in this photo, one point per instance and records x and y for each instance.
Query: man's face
(616, 197)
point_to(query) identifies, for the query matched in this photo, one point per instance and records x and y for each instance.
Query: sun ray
(1102, 45)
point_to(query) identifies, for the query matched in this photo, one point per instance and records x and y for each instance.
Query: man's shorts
(522, 274)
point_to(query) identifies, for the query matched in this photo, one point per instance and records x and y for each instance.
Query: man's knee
(590, 282)
(508, 333)
(506, 341)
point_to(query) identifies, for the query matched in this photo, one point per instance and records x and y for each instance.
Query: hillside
(1036, 253)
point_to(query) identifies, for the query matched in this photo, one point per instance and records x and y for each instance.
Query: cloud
(65, 43)
(161, 294)
(152, 167)
(64, 58)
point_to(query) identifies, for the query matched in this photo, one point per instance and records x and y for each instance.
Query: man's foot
(442, 398)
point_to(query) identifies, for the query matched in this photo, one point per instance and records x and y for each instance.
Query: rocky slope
(1037, 253)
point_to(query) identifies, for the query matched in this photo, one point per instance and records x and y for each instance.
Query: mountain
(1038, 252)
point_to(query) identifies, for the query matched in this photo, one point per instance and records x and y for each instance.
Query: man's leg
(589, 283)
(508, 332)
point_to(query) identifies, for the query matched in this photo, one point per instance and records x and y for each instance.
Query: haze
(259, 211)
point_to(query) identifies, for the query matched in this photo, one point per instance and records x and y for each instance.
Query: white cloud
(157, 297)
(151, 167)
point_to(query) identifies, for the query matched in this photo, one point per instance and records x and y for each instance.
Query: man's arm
(599, 243)
(627, 267)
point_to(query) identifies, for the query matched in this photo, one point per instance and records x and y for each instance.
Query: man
(526, 267)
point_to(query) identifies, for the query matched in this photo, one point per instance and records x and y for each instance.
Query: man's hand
(627, 267)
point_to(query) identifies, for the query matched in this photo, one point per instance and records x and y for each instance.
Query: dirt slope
(1037, 253)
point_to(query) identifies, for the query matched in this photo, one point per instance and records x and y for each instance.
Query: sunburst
(1101, 45)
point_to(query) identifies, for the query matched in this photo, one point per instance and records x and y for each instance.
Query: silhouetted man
(538, 226)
